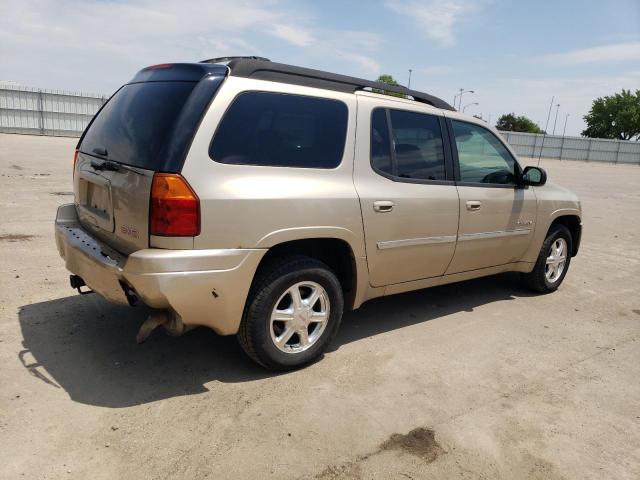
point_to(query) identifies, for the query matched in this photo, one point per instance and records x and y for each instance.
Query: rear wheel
(293, 311)
(553, 261)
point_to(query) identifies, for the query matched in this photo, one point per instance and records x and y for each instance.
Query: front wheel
(553, 261)
(293, 311)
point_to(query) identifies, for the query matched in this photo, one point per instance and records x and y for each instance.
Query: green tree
(616, 116)
(511, 123)
(389, 80)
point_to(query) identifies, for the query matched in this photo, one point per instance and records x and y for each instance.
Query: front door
(496, 216)
(404, 177)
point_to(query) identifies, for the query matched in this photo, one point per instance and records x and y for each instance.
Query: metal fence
(46, 112)
(53, 112)
(574, 148)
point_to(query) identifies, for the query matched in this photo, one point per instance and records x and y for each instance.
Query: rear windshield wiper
(105, 165)
(110, 165)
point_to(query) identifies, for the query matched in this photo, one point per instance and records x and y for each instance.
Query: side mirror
(534, 176)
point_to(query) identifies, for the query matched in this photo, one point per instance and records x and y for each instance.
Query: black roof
(263, 69)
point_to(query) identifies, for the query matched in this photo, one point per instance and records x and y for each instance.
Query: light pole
(565, 124)
(468, 105)
(461, 92)
(409, 82)
(556, 119)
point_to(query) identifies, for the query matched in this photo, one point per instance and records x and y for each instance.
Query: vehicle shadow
(87, 347)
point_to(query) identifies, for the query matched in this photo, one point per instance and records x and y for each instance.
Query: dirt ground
(475, 380)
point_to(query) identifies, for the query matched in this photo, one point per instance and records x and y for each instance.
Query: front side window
(481, 156)
(416, 150)
(281, 130)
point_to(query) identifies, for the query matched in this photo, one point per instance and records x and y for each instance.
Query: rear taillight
(175, 208)
(75, 160)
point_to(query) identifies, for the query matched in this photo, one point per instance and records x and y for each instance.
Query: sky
(514, 55)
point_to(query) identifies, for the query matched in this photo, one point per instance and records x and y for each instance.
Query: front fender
(543, 222)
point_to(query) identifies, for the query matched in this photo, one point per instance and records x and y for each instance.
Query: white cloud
(617, 52)
(436, 18)
(531, 97)
(366, 63)
(99, 44)
(294, 35)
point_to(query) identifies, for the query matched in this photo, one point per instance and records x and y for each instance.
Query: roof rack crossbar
(263, 69)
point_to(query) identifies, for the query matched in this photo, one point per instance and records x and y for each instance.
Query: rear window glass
(281, 130)
(135, 126)
(416, 150)
(418, 145)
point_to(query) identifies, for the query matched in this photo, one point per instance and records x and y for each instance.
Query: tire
(539, 279)
(272, 294)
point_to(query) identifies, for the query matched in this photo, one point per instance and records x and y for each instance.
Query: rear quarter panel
(244, 206)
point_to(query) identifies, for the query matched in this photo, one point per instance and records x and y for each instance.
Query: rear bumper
(204, 287)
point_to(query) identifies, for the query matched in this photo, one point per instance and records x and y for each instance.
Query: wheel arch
(337, 253)
(570, 217)
(574, 225)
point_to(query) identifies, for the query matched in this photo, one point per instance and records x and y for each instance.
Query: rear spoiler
(179, 72)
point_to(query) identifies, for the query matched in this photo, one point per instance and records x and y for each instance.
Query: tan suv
(262, 200)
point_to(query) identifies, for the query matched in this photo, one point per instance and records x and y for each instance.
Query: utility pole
(565, 124)
(564, 130)
(468, 105)
(462, 92)
(409, 82)
(546, 125)
(544, 135)
(556, 119)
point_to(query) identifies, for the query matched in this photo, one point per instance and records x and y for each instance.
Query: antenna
(545, 130)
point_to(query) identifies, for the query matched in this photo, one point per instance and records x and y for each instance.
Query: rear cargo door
(128, 141)
(114, 204)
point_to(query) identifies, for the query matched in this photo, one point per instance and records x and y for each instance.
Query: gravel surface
(480, 379)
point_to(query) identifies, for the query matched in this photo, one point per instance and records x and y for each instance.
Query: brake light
(75, 160)
(175, 208)
(159, 66)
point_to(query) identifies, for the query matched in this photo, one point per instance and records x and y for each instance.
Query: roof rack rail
(264, 69)
(228, 59)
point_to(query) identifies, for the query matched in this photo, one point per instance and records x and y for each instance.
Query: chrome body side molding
(415, 241)
(409, 242)
(498, 234)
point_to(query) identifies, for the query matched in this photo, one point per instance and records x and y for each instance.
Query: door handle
(383, 206)
(473, 205)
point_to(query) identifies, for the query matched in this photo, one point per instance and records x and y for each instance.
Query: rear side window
(416, 150)
(380, 145)
(281, 130)
(135, 126)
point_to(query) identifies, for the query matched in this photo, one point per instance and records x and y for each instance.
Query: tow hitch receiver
(77, 283)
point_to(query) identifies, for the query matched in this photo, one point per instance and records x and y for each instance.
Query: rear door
(496, 215)
(408, 198)
(129, 140)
